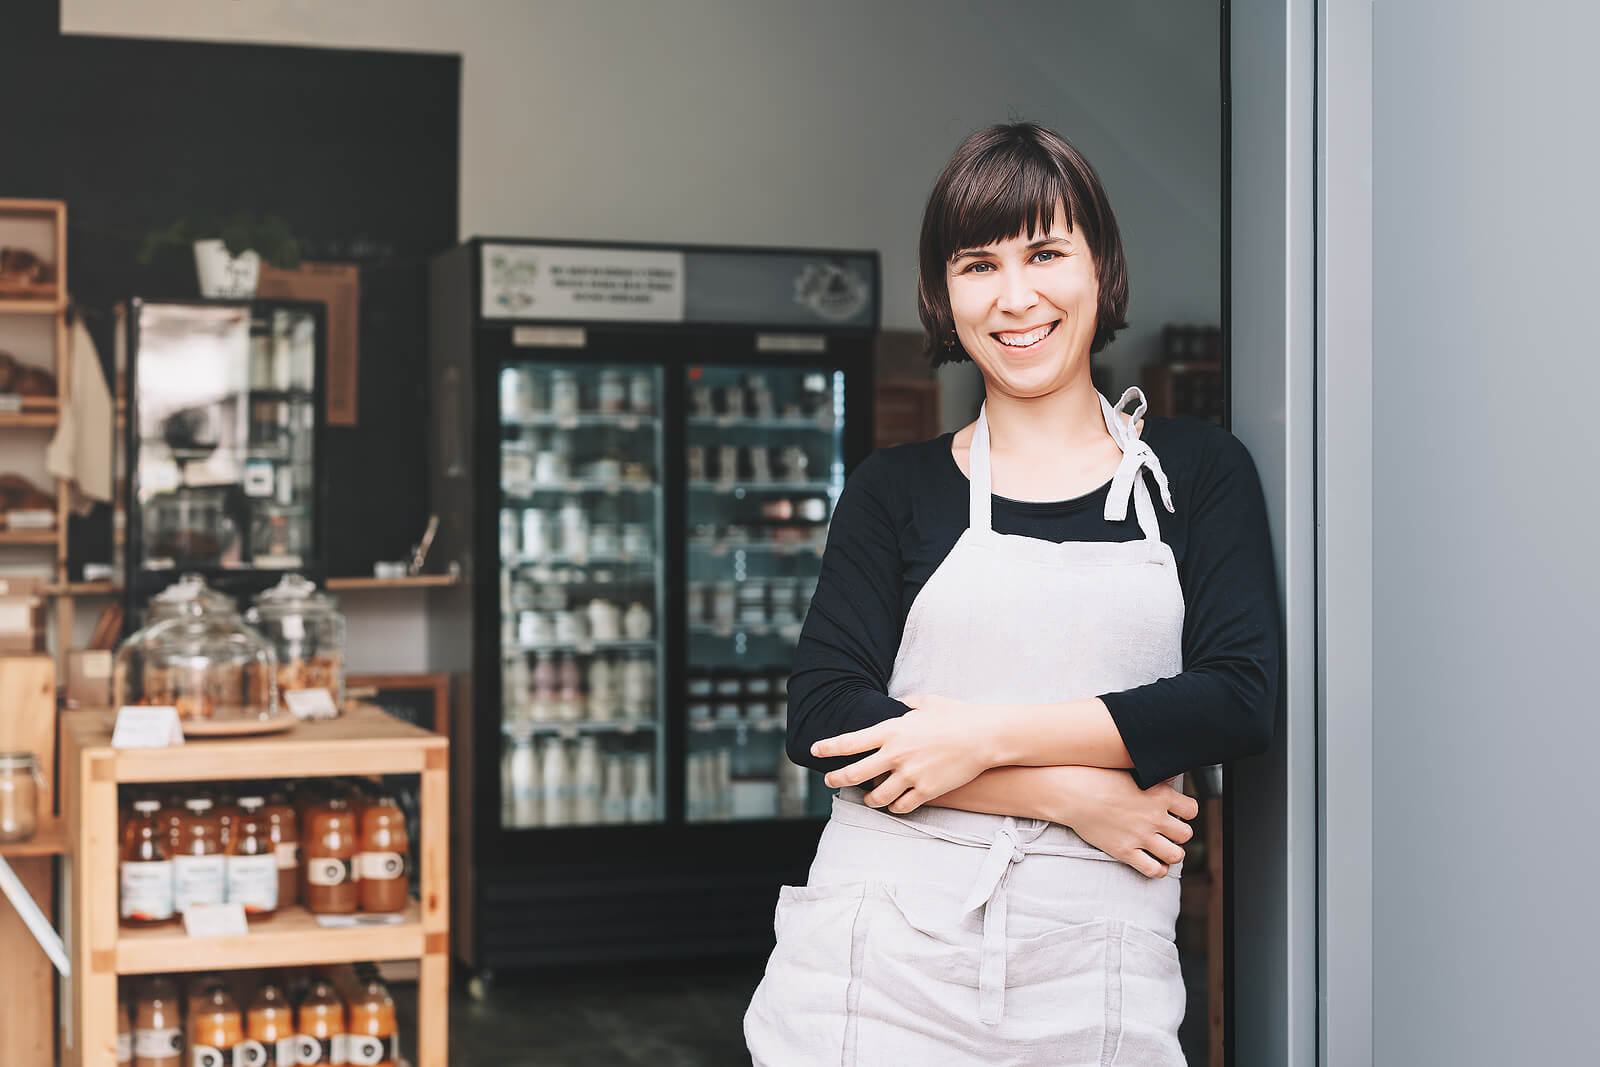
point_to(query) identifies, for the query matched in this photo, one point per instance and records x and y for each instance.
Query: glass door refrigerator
(636, 451)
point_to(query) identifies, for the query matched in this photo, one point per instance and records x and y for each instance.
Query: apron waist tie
(989, 892)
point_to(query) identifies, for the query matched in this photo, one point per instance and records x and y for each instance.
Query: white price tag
(215, 920)
(10, 403)
(311, 703)
(146, 726)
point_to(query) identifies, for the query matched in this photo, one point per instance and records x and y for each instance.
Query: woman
(1009, 620)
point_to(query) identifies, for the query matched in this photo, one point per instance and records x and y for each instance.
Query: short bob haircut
(1004, 181)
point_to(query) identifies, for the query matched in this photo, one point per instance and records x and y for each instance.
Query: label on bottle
(157, 1044)
(287, 1054)
(207, 1056)
(124, 1048)
(320, 1050)
(199, 880)
(330, 870)
(249, 1053)
(253, 882)
(147, 890)
(288, 853)
(382, 866)
(366, 1051)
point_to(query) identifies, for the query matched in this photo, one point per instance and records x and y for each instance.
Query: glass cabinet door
(765, 465)
(581, 580)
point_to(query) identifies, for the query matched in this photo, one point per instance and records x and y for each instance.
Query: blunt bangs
(1008, 181)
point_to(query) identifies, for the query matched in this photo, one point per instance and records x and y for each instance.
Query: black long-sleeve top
(902, 511)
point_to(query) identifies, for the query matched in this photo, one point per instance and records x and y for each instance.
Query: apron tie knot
(989, 893)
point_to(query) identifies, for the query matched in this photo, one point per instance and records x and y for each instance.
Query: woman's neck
(1067, 421)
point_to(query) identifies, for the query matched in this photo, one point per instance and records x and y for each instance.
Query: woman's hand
(937, 746)
(1143, 828)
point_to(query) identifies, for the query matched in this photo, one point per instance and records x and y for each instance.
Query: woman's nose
(1017, 295)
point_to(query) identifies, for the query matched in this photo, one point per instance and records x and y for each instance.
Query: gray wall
(1485, 575)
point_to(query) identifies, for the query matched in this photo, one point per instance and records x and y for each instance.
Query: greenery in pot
(268, 237)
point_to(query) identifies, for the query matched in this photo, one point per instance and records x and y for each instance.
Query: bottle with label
(124, 1034)
(215, 1029)
(641, 789)
(586, 783)
(522, 781)
(555, 782)
(331, 845)
(269, 1029)
(157, 1026)
(323, 1035)
(252, 861)
(569, 697)
(614, 795)
(283, 830)
(146, 869)
(374, 1031)
(199, 870)
(602, 689)
(381, 863)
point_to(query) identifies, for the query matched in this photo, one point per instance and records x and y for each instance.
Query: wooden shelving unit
(411, 581)
(363, 741)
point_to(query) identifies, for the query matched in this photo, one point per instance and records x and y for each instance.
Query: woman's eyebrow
(1034, 246)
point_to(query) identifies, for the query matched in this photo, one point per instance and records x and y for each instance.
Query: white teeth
(1023, 340)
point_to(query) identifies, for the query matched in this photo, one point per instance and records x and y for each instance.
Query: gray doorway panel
(1273, 842)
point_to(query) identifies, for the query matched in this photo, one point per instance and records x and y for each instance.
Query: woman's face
(1024, 309)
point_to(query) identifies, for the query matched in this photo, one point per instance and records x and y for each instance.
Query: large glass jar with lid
(307, 632)
(206, 663)
(189, 595)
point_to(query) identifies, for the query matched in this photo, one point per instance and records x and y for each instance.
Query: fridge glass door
(764, 451)
(581, 590)
(226, 423)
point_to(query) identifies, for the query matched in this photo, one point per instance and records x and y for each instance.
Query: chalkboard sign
(420, 699)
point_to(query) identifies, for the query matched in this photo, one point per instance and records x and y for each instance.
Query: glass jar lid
(189, 595)
(294, 595)
(16, 762)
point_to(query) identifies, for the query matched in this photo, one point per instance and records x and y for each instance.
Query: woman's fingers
(1146, 864)
(1181, 804)
(1164, 850)
(888, 792)
(851, 743)
(1177, 830)
(862, 770)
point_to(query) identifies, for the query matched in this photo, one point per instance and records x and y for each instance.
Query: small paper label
(147, 890)
(96, 664)
(215, 920)
(30, 518)
(146, 726)
(549, 336)
(311, 703)
(380, 866)
(330, 870)
(10, 403)
(293, 628)
(259, 479)
(124, 1048)
(157, 1044)
(249, 1053)
(288, 853)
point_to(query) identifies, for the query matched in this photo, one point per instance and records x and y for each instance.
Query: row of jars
(529, 390)
(571, 531)
(196, 653)
(724, 783)
(265, 849)
(288, 1020)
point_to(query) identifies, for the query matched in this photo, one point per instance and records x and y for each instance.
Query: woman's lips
(1025, 340)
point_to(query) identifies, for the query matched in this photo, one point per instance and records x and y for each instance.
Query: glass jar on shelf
(206, 663)
(19, 796)
(308, 633)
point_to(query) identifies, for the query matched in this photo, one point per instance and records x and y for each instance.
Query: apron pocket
(1060, 994)
(1152, 1000)
(919, 999)
(802, 1010)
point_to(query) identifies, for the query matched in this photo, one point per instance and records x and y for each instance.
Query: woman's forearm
(1079, 732)
(1022, 792)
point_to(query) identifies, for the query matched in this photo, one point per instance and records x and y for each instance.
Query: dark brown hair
(1004, 181)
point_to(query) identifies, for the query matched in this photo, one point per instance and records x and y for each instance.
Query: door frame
(1298, 155)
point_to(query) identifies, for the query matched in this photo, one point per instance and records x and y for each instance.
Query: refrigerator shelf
(705, 726)
(781, 422)
(519, 562)
(789, 631)
(587, 647)
(717, 547)
(573, 485)
(570, 730)
(573, 422)
(740, 488)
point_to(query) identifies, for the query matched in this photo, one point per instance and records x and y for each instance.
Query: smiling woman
(1009, 619)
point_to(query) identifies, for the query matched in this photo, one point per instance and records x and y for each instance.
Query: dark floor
(682, 1016)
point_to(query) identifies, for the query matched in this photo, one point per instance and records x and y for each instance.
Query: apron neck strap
(1125, 485)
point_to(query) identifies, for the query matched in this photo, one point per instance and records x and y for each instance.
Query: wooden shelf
(364, 740)
(12, 306)
(106, 588)
(40, 420)
(49, 840)
(292, 938)
(414, 581)
(28, 536)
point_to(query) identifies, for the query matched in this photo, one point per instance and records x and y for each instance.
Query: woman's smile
(1021, 341)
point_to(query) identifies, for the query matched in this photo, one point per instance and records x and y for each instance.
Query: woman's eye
(979, 268)
(1047, 252)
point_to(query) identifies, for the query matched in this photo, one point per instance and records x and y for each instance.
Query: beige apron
(954, 937)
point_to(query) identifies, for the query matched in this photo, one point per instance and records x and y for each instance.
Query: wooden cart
(364, 741)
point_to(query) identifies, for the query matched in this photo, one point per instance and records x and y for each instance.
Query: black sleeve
(847, 647)
(1221, 706)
